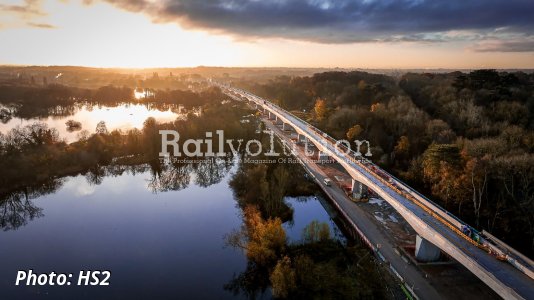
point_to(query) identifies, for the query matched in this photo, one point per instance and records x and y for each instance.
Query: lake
(157, 245)
(123, 116)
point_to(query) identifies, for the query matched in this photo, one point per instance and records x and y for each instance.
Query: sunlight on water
(125, 116)
(143, 93)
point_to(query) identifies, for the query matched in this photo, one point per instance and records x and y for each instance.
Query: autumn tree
(403, 146)
(320, 109)
(354, 132)
(263, 240)
(283, 279)
(442, 168)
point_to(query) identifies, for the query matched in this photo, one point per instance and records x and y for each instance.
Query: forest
(464, 139)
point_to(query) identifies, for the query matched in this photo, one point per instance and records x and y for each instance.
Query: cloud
(29, 13)
(504, 46)
(28, 8)
(340, 21)
(41, 25)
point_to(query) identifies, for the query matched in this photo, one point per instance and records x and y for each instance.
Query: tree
(403, 146)
(339, 121)
(442, 168)
(377, 107)
(440, 132)
(354, 132)
(83, 135)
(477, 170)
(101, 128)
(283, 279)
(151, 137)
(263, 240)
(320, 109)
(438, 153)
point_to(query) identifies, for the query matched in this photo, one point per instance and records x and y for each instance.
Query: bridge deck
(501, 271)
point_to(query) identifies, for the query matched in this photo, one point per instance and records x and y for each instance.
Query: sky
(274, 33)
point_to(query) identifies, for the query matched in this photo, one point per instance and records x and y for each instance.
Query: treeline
(466, 139)
(341, 89)
(41, 101)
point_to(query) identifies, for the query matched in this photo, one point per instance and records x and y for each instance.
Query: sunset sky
(285, 33)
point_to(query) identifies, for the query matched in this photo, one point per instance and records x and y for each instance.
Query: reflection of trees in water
(118, 170)
(211, 171)
(174, 176)
(251, 283)
(17, 208)
(61, 111)
(5, 115)
(28, 111)
(170, 177)
(96, 175)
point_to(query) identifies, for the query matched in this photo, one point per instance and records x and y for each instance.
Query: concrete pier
(359, 190)
(323, 157)
(425, 251)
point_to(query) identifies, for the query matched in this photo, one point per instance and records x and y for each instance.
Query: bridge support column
(285, 127)
(323, 157)
(301, 138)
(426, 251)
(359, 190)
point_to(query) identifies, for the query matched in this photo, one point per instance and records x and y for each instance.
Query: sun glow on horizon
(102, 35)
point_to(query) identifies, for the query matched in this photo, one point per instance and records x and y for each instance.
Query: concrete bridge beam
(426, 251)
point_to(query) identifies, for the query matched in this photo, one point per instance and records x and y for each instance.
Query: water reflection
(110, 218)
(122, 116)
(17, 208)
(175, 176)
(157, 245)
